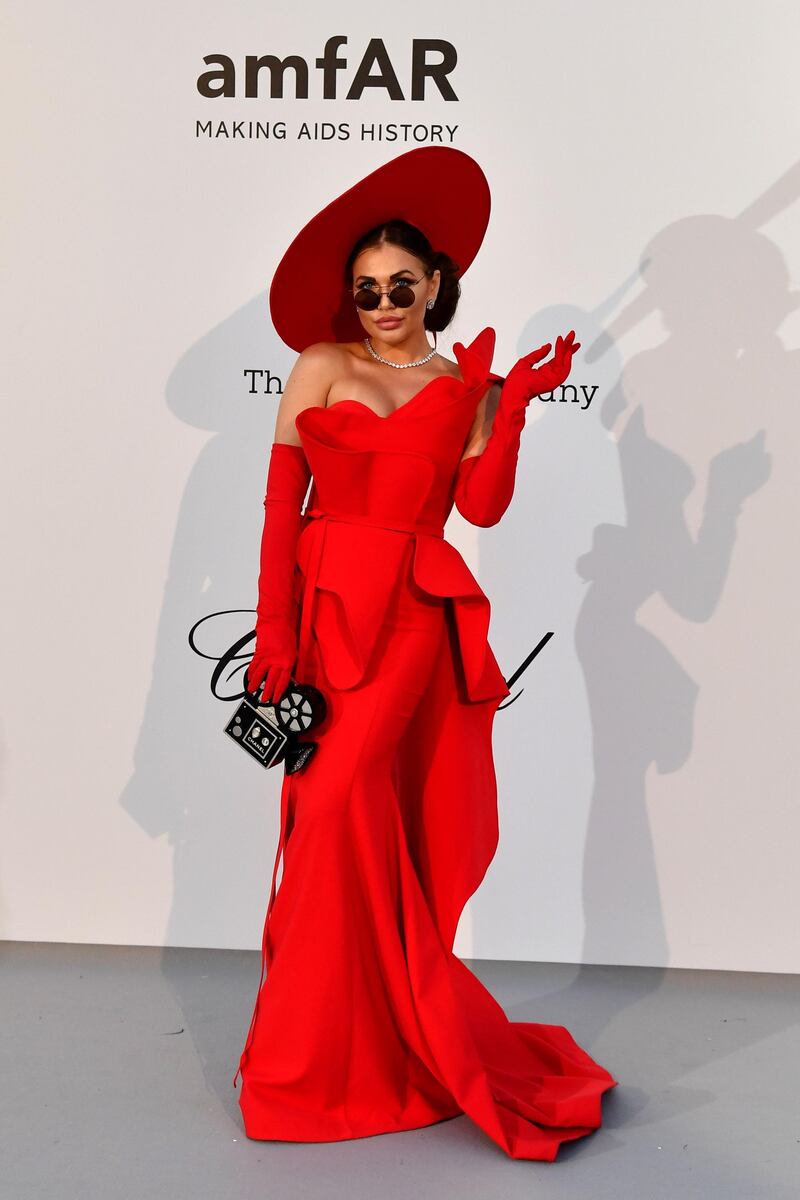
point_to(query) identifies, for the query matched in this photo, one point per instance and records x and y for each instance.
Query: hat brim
(440, 189)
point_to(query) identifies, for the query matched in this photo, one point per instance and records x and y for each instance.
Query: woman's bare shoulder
(449, 367)
(329, 358)
(320, 353)
(318, 365)
(307, 386)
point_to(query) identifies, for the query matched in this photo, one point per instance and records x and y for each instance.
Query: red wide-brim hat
(439, 189)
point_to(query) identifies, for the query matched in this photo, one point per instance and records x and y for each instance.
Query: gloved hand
(277, 614)
(485, 482)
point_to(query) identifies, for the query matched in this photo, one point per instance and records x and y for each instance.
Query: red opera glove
(485, 482)
(275, 653)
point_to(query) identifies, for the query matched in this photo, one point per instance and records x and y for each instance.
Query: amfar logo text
(374, 70)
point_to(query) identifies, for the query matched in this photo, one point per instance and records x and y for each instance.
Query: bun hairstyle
(401, 233)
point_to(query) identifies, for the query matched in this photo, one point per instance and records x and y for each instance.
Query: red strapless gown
(366, 1022)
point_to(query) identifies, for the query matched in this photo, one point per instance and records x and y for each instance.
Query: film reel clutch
(270, 733)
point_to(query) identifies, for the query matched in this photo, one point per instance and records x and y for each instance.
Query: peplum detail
(379, 481)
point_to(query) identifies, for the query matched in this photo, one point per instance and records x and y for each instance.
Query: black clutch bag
(269, 733)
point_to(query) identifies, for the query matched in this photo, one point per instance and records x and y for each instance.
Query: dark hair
(401, 233)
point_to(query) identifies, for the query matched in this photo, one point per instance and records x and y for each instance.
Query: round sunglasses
(401, 294)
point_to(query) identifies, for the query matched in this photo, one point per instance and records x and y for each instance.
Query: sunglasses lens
(402, 296)
(365, 298)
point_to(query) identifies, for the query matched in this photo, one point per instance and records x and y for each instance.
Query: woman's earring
(430, 304)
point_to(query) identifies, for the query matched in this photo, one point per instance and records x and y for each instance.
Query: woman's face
(384, 265)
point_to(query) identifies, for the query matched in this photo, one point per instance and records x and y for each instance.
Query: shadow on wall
(218, 810)
(655, 532)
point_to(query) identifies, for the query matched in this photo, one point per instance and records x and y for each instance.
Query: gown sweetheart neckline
(395, 411)
(463, 355)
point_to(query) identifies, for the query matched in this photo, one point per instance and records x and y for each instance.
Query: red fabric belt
(430, 527)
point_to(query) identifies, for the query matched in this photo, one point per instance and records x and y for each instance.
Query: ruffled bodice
(378, 481)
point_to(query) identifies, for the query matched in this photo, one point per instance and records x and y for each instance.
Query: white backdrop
(645, 193)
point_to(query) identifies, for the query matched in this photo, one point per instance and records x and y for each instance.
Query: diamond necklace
(380, 358)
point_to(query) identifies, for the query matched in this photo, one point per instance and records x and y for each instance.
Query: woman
(367, 1022)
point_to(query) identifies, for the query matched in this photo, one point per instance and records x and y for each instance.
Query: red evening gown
(366, 1022)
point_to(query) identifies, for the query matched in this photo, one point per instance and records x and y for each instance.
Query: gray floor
(117, 1065)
